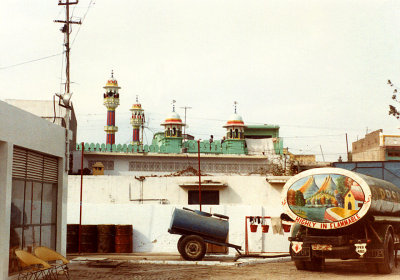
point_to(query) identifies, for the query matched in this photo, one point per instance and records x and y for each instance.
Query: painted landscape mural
(325, 198)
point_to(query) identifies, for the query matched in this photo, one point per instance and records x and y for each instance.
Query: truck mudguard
(331, 198)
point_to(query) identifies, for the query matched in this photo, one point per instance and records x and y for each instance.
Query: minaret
(172, 140)
(111, 101)
(235, 143)
(137, 121)
(173, 124)
(235, 126)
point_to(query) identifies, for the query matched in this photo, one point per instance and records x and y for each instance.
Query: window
(393, 153)
(207, 197)
(33, 217)
(33, 214)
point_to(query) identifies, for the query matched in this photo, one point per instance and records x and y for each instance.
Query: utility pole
(347, 147)
(184, 128)
(322, 153)
(67, 94)
(66, 30)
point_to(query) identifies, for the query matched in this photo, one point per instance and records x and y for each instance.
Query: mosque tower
(111, 101)
(173, 137)
(235, 142)
(137, 121)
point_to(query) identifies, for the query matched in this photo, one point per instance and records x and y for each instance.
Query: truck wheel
(193, 248)
(316, 264)
(179, 245)
(389, 260)
(300, 265)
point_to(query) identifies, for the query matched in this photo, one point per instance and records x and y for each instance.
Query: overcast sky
(318, 69)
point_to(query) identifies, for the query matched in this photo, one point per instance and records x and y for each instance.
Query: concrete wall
(45, 110)
(369, 148)
(146, 164)
(108, 200)
(23, 129)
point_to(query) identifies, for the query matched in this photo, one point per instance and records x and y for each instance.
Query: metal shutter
(19, 164)
(33, 166)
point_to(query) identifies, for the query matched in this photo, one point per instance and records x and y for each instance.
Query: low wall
(106, 201)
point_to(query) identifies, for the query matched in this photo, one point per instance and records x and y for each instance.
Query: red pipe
(198, 153)
(246, 242)
(80, 204)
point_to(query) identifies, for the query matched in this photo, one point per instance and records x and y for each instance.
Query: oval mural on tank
(325, 198)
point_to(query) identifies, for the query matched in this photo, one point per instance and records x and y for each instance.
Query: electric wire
(30, 61)
(49, 56)
(82, 20)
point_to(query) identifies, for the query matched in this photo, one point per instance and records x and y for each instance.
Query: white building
(33, 182)
(147, 204)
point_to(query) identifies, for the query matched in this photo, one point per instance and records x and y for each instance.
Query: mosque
(142, 183)
(245, 148)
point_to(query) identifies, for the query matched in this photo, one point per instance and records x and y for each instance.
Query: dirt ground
(283, 270)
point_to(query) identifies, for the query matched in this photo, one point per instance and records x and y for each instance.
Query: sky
(318, 69)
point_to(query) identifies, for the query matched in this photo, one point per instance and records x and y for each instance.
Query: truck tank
(333, 198)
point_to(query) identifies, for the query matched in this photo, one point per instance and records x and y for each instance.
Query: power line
(83, 18)
(30, 61)
(49, 56)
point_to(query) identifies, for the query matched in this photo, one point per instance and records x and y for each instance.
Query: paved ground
(131, 269)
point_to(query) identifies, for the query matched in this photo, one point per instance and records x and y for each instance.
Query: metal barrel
(123, 238)
(89, 238)
(189, 222)
(105, 238)
(331, 198)
(72, 238)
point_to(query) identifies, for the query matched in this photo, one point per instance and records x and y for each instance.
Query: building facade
(147, 203)
(377, 146)
(33, 181)
(52, 112)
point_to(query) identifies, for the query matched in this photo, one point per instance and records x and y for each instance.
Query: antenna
(184, 128)
(173, 105)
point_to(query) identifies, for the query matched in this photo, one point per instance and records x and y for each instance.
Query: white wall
(23, 129)
(106, 200)
(171, 163)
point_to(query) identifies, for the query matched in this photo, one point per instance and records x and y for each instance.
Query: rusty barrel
(105, 238)
(89, 239)
(123, 238)
(72, 238)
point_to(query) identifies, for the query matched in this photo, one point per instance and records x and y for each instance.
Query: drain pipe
(80, 202)
(140, 179)
(141, 199)
(198, 153)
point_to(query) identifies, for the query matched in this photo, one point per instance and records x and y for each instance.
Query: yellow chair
(33, 267)
(50, 255)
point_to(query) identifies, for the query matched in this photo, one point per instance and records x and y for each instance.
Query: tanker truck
(340, 214)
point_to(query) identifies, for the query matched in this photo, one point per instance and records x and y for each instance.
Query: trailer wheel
(179, 245)
(389, 259)
(193, 248)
